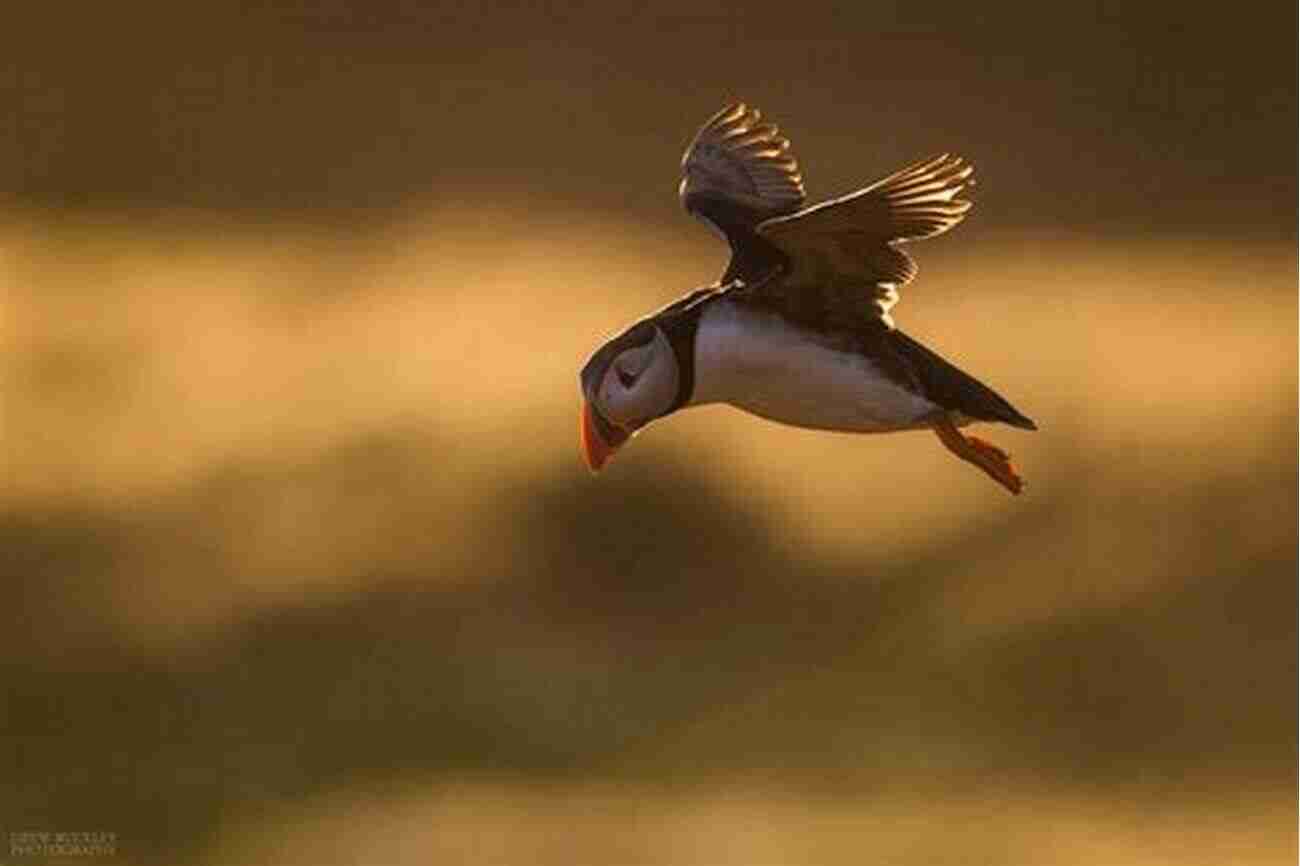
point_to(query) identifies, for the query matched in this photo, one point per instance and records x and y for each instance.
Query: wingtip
(735, 110)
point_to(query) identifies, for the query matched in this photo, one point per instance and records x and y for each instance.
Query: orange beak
(600, 439)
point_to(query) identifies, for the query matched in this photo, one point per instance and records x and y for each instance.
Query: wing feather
(740, 169)
(845, 253)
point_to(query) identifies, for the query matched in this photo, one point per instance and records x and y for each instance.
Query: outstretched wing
(737, 172)
(843, 254)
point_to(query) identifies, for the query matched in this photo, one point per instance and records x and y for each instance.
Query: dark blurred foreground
(649, 631)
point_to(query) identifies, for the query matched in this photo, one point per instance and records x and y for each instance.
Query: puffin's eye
(626, 378)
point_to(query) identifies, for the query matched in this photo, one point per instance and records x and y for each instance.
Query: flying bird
(797, 329)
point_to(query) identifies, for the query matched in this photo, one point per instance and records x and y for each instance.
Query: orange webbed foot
(995, 462)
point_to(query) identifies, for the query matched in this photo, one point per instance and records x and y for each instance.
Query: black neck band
(681, 330)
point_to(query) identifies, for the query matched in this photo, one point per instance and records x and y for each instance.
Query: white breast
(758, 362)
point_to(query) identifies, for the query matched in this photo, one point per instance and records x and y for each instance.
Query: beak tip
(594, 460)
(595, 451)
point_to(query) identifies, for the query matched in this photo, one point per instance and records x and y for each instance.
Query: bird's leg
(992, 459)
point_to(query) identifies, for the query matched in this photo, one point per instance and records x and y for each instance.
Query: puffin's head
(627, 383)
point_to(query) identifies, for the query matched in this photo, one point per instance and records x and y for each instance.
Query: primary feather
(845, 251)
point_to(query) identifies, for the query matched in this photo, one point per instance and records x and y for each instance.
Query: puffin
(797, 329)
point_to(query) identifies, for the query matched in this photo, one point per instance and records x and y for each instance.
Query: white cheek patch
(654, 390)
(618, 405)
(633, 362)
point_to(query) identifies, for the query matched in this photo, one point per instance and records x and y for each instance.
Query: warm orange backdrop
(302, 564)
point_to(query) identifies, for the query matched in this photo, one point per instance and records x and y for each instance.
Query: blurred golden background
(303, 565)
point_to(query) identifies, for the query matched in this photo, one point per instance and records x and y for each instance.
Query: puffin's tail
(952, 389)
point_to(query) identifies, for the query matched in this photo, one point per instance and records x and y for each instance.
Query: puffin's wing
(738, 172)
(845, 250)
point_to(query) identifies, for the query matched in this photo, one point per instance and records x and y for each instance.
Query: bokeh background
(301, 564)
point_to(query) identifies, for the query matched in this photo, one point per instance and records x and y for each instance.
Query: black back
(944, 384)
